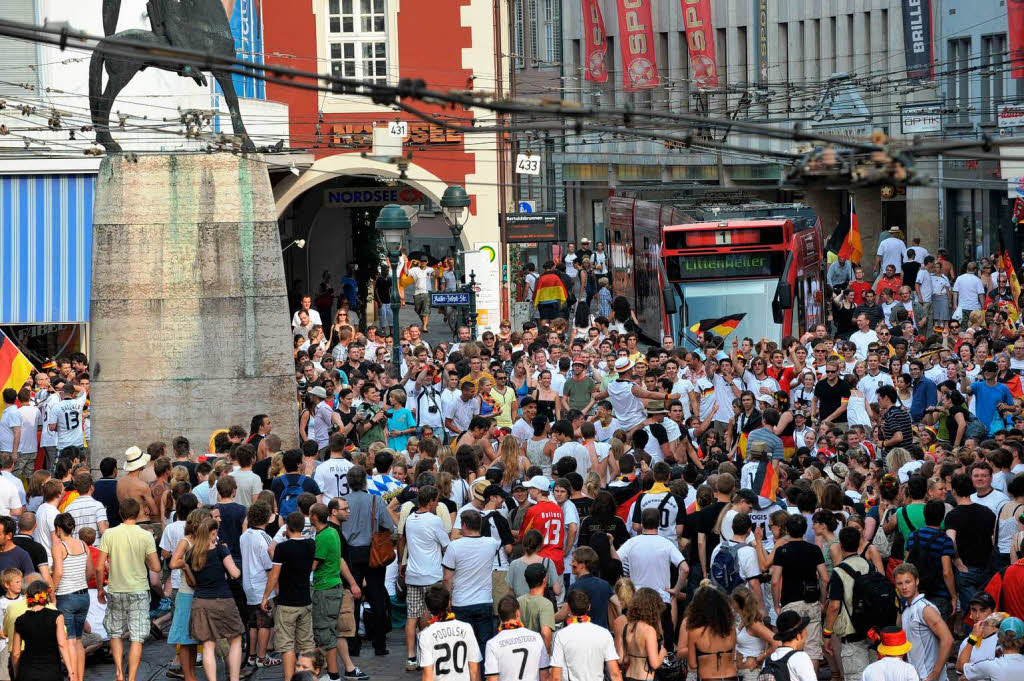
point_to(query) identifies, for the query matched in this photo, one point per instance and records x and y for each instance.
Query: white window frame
(348, 39)
(338, 102)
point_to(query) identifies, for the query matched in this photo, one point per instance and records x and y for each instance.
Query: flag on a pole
(722, 326)
(15, 368)
(851, 249)
(766, 480)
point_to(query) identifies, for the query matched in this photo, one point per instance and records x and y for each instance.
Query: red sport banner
(596, 41)
(700, 39)
(636, 39)
(1015, 19)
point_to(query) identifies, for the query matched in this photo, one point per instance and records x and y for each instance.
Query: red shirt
(895, 283)
(858, 288)
(546, 518)
(784, 377)
(1012, 596)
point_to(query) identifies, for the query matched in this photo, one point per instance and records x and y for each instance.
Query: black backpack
(874, 600)
(929, 571)
(776, 670)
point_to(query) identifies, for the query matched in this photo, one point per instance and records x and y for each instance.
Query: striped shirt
(897, 419)
(87, 512)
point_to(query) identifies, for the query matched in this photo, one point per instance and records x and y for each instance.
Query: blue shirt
(400, 419)
(105, 492)
(941, 546)
(986, 398)
(925, 395)
(600, 593)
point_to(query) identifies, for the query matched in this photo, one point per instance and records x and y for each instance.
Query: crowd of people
(557, 501)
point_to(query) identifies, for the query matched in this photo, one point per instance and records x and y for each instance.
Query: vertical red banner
(1015, 19)
(700, 40)
(636, 40)
(595, 41)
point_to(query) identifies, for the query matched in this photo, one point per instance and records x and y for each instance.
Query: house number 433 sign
(527, 165)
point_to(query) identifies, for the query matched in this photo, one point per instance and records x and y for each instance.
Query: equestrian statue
(200, 25)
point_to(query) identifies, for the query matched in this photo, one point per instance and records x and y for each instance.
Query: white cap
(538, 482)
(318, 391)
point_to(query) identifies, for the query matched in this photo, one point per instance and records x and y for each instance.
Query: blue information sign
(456, 299)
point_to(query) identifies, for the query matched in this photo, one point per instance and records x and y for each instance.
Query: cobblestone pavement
(157, 656)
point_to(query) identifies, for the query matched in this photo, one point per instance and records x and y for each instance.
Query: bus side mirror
(669, 296)
(783, 300)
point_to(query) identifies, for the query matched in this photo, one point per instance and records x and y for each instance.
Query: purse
(382, 546)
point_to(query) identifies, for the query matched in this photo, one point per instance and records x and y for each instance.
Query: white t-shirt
(967, 288)
(48, 437)
(985, 651)
(67, 414)
(331, 476)
(420, 279)
(173, 533)
(314, 318)
(448, 647)
(582, 649)
(862, 339)
(925, 280)
(44, 527)
(9, 420)
(669, 513)
(461, 413)
(424, 537)
(869, 385)
(256, 563)
(800, 666)
(30, 420)
(323, 416)
(706, 390)
(747, 558)
(994, 500)
(893, 252)
(576, 451)
(9, 497)
(646, 558)
(760, 517)
(516, 655)
(890, 669)
(603, 433)
(1005, 668)
(472, 559)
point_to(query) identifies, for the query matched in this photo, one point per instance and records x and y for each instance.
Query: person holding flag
(549, 294)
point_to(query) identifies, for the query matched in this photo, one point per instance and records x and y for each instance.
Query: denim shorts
(74, 607)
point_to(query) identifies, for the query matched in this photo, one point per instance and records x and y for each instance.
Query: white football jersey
(448, 647)
(332, 477)
(516, 655)
(67, 415)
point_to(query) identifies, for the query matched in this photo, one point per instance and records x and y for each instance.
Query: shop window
(358, 40)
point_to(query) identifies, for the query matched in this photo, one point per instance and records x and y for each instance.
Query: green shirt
(328, 556)
(536, 612)
(915, 511)
(578, 392)
(376, 432)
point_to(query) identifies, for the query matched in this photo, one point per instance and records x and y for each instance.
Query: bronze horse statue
(200, 25)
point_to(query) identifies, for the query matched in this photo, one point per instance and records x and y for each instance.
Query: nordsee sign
(357, 197)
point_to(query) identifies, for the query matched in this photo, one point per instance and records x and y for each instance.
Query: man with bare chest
(131, 486)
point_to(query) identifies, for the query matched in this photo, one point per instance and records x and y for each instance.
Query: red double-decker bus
(762, 267)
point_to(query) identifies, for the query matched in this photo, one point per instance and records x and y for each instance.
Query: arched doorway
(332, 207)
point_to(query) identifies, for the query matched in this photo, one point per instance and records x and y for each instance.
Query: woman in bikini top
(709, 635)
(641, 648)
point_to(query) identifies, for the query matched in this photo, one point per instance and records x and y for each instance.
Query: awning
(45, 248)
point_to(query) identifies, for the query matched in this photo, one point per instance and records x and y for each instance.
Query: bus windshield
(712, 300)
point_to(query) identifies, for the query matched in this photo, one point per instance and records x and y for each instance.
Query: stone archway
(329, 167)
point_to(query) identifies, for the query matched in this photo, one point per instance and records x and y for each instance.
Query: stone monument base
(190, 324)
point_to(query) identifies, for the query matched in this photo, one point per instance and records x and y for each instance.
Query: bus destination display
(723, 266)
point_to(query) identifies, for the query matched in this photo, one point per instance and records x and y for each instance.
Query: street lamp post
(393, 225)
(454, 203)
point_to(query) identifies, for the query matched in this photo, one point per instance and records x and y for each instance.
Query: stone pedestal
(190, 322)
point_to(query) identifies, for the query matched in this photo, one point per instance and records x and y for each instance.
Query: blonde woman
(511, 457)
(754, 640)
(896, 459)
(208, 565)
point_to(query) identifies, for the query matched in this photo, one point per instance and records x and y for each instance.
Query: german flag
(851, 248)
(766, 481)
(15, 368)
(549, 289)
(722, 326)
